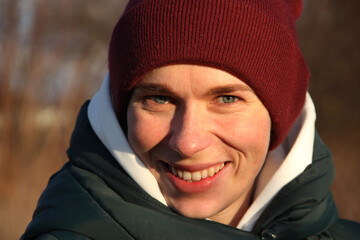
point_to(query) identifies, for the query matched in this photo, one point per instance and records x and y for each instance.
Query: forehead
(198, 78)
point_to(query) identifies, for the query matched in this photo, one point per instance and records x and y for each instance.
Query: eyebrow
(160, 88)
(154, 87)
(228, 89)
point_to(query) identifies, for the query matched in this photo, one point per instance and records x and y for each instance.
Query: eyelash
(162, 100)
(167, 99)
(220, 99)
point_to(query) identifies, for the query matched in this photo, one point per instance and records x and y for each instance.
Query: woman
(203, 129)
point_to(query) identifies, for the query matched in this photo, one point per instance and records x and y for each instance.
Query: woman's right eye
(158, 103)
(160, 99)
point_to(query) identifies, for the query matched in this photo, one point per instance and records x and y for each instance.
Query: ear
(296, 6)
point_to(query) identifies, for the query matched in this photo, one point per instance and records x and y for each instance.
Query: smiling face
(204, 135)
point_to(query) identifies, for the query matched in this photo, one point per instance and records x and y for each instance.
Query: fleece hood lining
(281, 166)
(105, 124)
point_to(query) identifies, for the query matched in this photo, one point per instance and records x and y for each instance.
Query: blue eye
(227, 99)
(160, 99)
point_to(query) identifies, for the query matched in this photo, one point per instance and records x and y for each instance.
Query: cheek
(145, 131)
(250, 138)
(258, 131)
(249, 134)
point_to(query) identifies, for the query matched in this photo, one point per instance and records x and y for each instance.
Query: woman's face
(204, 135)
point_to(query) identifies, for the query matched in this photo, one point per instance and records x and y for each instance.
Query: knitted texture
(254, 40)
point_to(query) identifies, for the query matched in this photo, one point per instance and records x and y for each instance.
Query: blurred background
(53, 56)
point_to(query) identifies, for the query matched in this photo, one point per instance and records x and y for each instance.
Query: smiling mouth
(198, 175)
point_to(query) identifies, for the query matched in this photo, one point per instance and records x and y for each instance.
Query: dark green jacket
(92, 197)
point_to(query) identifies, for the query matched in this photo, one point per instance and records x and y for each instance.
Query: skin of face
(184, 120)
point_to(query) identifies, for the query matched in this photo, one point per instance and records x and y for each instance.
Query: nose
(189, 132)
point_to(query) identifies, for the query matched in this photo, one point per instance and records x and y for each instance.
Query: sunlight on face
(204, 135)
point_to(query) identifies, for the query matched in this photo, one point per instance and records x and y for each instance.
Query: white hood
(281, 166)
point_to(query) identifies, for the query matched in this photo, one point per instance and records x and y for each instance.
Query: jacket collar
(283, 164)
(104, 123)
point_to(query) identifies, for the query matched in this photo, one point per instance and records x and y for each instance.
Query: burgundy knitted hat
(254, 40)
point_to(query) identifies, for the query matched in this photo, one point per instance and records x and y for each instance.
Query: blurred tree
(329, 33)
(54, 56)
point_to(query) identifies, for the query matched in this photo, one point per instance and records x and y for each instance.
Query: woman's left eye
(227, 99)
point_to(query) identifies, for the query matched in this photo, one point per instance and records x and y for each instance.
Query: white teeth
(204, 173)
(211, 172)
(222, 166)
(186, 176)
(196, 176)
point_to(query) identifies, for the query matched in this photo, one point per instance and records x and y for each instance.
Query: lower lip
(197, 186)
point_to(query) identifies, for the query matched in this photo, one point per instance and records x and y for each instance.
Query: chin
(196, 211)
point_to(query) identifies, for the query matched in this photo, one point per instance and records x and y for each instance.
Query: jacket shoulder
(66, 207)
(60, 234)
(345, 229)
